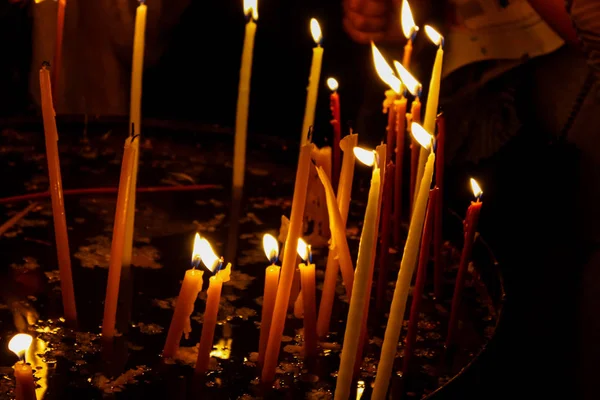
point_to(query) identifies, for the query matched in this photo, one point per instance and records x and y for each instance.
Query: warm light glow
(435, 37)
(408, 22)
(360, 388)
(366, 157)
(20, 343)
(477, 192)
(385, 72)
(315, 30)
(251, 8)
(409, 81)
(303, 250)
(196, 251)
(271, 247)
(421, 135)
(222, 349)
(207, 255)
(333, 84)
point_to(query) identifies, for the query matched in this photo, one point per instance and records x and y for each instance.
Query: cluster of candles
(382, 221)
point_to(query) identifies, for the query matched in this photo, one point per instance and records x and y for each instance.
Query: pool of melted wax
(74, 364)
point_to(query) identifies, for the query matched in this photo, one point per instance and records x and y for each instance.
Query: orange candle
(409, 28)
(288, 266)
(191, 286)
(307, 274)
(415, 149)
(25, 388)
(213, 299)
(56, 195)
(400, 128)
(271, 248)
(347, 145)
(116, 249)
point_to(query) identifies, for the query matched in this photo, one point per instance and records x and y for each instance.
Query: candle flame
(207, 255)
(333, 84)
(196, 251)
(315, 30)
(434, 36)
(409, 28)
(222, 349)
(303, 250)
(366, 157)
(251, 9)
(360, 389)
(271, 247)
(421, 135)
(477, 192)
(20, 343)
(409, 81)
(385, 72)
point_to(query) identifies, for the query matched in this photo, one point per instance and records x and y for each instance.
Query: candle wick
(45, 64)
(196, 262)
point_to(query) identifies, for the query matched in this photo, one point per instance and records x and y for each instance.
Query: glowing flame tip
(409, 81)
(477, 192)
(434, 36)
(251, 9)
(315, 30)
(333, 84)
(271, 248)
(409, 28)
(365, 156)
(385, 72)
(207, 254)
(303, 250)
(421, 135)
(20, 343)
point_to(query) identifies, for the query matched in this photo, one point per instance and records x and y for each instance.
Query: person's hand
(372, 20)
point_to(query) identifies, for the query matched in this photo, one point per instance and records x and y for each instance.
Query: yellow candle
(407, 267)
(191, 286)
(118, 239)
(361, 289)
(57, 199)
(241, 119)
(433, 96)
(137, 68)
(307, 274)
(210, 314)
(25, 389)
(271, 248)
(288, 266)
(313, 82)
(130, 216)
(347, 144)
(322, 158)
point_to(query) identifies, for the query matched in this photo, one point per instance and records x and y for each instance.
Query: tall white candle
(313, 81)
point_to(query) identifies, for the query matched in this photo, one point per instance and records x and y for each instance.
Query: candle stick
(470, 230)
(334, 101)
(307, 273)
(385, 236)
(271, 248)
(344, 190)
(213, 263)
(417, 293)
(361, 291)
(439, 207)
(288, 266)
(25, 389)
(433, 97)
(415, 116)
(407, 267)
(118, 239)
(410, 29)
(191, 286)
(390, 106)
(137, 67)
(60, 27)
(57, 199)
(313, 81)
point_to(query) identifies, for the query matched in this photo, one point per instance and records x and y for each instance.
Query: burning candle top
(271, 247)
(212, 262)
(19, 345)
(408, 80)
(424, 138)
(477, 192)
(304, 251)
(251, 9)
(409, 27)
(385, 72)
(333, 85)
(367, 157)
(315, 30)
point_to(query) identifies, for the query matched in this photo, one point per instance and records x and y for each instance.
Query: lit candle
(130, 215)
(118, 239)
(407, 267)
(241, 119)
(307, 274)
(137, 68)
(470, 226)
(334, 105)
(213, 298)
(439, 206)
(313, 81)
(344, 190)
(25, 389)
(60, 27)
(414, 87)
(361, 290)
(410, 29)
(271, 248)
(56, 197)
(288, 266)
(191, 286)
(433, 97)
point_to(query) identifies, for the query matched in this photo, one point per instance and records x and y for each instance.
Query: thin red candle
(400, 129)
(334, 105)
(415, 148)
(390, 106)
(417, 293)
(60, 25)
(384, 237)
(439, 208)
(470, 227)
